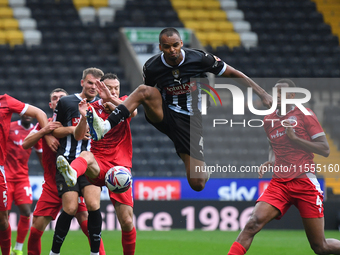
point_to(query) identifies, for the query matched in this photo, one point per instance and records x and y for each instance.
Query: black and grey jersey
(178, 84)
(67, 114)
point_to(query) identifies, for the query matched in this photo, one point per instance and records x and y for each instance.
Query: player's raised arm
(231, 72)
(81, 128)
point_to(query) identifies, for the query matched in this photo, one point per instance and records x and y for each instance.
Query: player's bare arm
(38, 114)
(81, 128)
(62, 132)
(34, 136)
(231, 72)
(318, 145)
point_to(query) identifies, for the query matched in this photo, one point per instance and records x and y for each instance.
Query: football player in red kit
(294, 138)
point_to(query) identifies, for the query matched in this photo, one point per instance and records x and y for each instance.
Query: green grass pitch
(271, 242)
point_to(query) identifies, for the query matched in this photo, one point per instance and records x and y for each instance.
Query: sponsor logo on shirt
(181, 89)
(75, 121)
(278, 134)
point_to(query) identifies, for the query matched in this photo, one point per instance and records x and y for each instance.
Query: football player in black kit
(168, 103)
(68, 115)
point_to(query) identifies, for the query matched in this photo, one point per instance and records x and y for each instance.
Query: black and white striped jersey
(180, 85)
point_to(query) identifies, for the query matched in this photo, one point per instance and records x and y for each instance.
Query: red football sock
(80, 165)
(83, 226)
(34, 242)
(129, 241)
(5, 240)
(23, 226)
(237, 249)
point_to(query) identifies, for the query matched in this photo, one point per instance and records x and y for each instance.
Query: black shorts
(185, 131)
(62, 186)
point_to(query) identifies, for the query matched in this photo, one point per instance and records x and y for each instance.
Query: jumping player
(49, 203)
(172, 103)
(293, 141)
(115, 149)
(8, 106)
(18, 184)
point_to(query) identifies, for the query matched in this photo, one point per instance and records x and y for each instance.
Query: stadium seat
(186, 15)
(211, 5)
(3, 3)
(22, 12)
(249, 39)
(87, 15)
(232, 39)
(228, 5)
(14, 37)
(27, 24)
(10, 24)
(116, 4)
(6, 12)
(78, 4)
(192, 4)
(225, 26)
(105, 15)
(241, 26)
(16, 3)
(217, 15)
(98, 3)
(2, 38)
(235, 15)
(179, 5)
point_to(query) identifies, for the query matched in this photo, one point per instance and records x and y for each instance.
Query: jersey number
(318, 201)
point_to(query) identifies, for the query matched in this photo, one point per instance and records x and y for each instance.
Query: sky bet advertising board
(179, 189)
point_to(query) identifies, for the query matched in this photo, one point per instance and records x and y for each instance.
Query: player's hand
(87, 135)
(267, 100)
(109, 107)
(103, 91)
(52, 142)
(289, 129)
(83, 105)
(51, 125)
(264, 168)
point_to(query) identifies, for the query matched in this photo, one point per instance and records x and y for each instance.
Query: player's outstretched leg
(96, 124)
(67, 171)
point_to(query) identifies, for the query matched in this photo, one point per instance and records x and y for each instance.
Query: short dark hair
(169, 31)
(58, 90)
(288, 81)
(109, 76)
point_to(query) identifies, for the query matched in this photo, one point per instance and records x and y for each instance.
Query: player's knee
(3, 221)
(197, 184)
(71, 209)
(253, 225)
(318, 248)
(143, 91)
(92, 205)
(126, 224)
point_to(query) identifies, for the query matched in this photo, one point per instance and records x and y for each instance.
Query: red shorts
(304, 193)
(20, 192)
(3, 190)
(124, 198)
(50, 204)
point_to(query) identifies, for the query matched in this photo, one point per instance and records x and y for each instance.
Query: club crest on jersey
(16, 132)
(175, 73)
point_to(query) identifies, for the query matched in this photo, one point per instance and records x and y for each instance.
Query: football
(118, 179)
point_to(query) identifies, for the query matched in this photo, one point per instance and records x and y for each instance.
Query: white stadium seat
(105, 15)
(241, 26)
(17, 3)
(228, 5)
(87, 14)
(117, 4)
(235, 15)
(249, 39)
(27, 24)
(21, 12)
(32, 37)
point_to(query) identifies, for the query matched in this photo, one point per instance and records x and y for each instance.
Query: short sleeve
(147, 78)
(213, 64)
(313, 126)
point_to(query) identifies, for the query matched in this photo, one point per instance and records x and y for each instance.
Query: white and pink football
(118, 179)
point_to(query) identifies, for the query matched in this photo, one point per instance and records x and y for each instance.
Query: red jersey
(49, 164)
(116, 146)
(8, 106)
(291, 160)
(16, 165)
